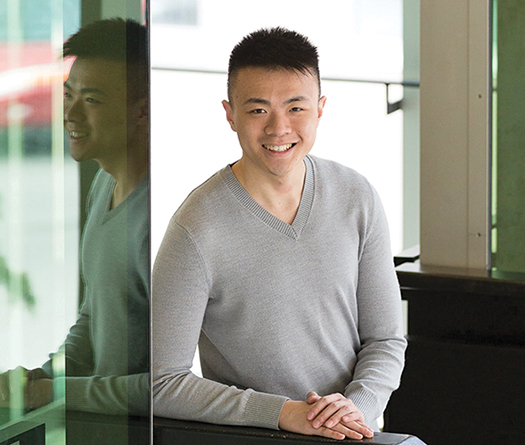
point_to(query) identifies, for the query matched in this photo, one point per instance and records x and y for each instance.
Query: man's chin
(78, 155)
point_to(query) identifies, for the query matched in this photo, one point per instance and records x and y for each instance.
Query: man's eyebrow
(296, 99)
(258, 100)
(86, 90)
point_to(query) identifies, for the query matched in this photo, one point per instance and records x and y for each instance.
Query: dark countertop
(170, 431)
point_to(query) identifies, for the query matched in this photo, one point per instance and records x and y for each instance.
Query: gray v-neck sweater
(278, 310)
(107, 350)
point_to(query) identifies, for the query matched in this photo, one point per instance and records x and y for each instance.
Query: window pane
(38, 215)
(356, 39)
(81, 372)
(508, 243)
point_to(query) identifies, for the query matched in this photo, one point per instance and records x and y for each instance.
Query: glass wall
(38, 216)
(361, 49)
(74, 292)
(508, 162)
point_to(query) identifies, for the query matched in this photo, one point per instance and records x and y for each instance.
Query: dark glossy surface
(464, 378)
(174, 432)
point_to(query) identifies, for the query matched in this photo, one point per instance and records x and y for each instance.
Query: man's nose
(278, 125)
(73, 111)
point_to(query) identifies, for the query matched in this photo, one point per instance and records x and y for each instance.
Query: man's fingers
(354, 416)
(320, 405)
(312, 397)
(330, 412)
(317, 407)
(339, 411)
(330, 433)
(35, 374)
(347, 432)
(359, 427)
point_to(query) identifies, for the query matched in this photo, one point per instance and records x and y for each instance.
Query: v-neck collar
(292, 230)
(111, 213)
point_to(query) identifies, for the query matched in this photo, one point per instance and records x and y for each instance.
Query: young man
(106, 117)
(279, 267)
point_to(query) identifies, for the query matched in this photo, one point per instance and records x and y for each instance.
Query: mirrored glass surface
(74, 224)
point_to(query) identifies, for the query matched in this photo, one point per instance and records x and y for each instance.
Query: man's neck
(279, 195)
(128, 173)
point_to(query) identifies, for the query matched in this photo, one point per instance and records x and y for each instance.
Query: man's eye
(91, 100)
(296, 109)
(67, 95)
(258, 111)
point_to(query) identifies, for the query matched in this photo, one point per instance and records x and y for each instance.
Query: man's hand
(38, 393)
(7, 381)
(335, 409)
(38, 387)
(37, 373)
(4, 389)
(293, 418)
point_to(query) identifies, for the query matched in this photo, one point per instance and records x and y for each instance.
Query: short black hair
(115, 39)
(274, 48)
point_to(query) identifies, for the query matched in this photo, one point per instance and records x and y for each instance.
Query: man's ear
(229, 114)
(320, 107)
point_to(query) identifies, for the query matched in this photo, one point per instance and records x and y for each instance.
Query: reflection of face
(275, 114)
(95, 112)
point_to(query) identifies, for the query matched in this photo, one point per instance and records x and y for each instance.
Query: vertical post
(411, 12)
(455, 133)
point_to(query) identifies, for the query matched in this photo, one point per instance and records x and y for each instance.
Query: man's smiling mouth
(278, 147)
(77, 134)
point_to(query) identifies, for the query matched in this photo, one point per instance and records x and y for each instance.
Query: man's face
(275, 114)
(95, 110)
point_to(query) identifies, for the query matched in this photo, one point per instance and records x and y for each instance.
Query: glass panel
(38, 218)
(82, 374)
(106, 119)
(508, 163)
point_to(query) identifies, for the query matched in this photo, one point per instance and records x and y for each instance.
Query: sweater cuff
(263, 410)
(367, 404)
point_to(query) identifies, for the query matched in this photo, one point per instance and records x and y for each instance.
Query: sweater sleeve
(128, 394)
(181, 290)
(380, 360)
(77, 347)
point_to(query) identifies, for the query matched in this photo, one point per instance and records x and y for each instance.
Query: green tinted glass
(508, 163)
(74, 225)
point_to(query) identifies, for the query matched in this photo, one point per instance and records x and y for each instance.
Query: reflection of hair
(115, 39)
(274, 48)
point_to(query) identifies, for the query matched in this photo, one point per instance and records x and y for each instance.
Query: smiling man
(107, 119)
(279, 268)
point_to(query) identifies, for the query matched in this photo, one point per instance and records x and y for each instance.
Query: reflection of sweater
(107, 349)
(278, 310)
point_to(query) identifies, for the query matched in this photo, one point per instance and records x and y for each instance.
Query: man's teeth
(77, 134)
(278, 147)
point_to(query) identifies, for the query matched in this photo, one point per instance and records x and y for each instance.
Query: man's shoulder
(204, 201)
(101, 180)
(333, 175)
(101, 185)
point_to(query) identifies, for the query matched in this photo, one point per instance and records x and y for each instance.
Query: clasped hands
(38, 389)
(332, 416)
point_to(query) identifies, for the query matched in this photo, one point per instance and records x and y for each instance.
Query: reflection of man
(279, 266)
(107, 119)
